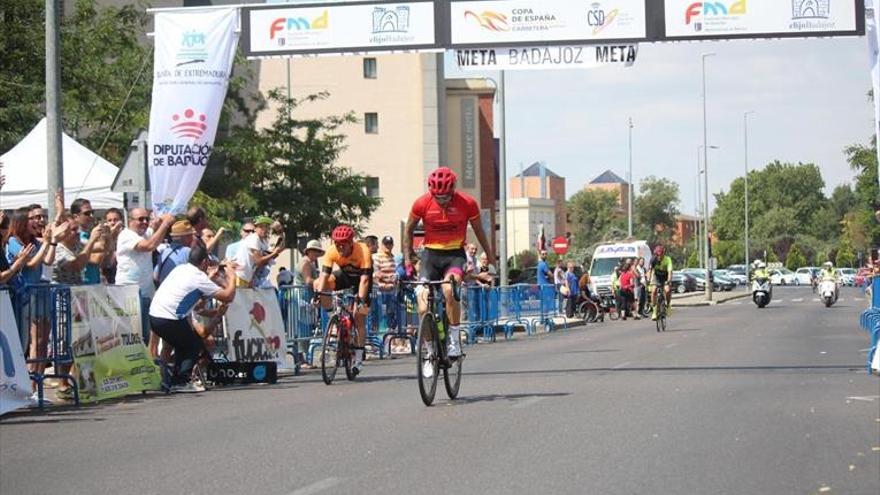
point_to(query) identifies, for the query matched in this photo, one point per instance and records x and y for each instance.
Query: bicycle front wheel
(427, 362)
(452, 376)
(329, 358)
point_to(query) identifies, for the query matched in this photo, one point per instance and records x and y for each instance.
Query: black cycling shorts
(347, 281)
(437, 263)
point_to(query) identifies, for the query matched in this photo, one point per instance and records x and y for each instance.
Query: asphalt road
(731, 400)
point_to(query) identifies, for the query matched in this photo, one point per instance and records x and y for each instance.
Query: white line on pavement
(858, 299)
(670, 346)
(815, 300)
(317, 487)
(841, 299)
(621, 365)
(865, 398)
(528, 402)
(800, 299)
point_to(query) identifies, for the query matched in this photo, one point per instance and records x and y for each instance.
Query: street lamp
(700, 207)
(500, 92)
(746, 180)
(629, 200)
(706, 184)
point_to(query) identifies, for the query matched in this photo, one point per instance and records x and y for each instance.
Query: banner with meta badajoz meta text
(193, 57)
(108, 349)
(255, 329)
(15, 383)
(546, 57)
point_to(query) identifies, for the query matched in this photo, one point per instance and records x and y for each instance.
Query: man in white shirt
(253, 254)
(171, 311)
(134, 261)
(247, 229)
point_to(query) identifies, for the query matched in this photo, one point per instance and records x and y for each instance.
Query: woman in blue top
(28, 223)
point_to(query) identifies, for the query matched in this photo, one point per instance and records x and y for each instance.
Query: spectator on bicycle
(544, 275)
(661, 270)
(445, 214)
(171, 308)
(354, 271)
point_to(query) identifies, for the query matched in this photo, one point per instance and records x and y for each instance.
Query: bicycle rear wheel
(427, 358)
(348, 356)
(329, 355)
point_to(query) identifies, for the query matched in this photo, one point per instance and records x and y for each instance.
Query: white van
(607, 256)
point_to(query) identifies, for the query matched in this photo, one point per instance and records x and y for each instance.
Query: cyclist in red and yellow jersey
(445, 214)
(354, 270)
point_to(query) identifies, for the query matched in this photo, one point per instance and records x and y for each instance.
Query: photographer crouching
(172, 306)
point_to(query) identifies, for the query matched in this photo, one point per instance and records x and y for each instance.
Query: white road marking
(858, 299)
(621, 365)
(736, 303)
(800, 299)
(528, 402)
(815, 300)
(841, 299)
(670, 346)
(317, 487)
(866, 398)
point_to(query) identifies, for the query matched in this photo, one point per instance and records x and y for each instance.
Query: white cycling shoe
(428, 364)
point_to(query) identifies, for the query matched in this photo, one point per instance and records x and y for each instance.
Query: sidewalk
(699, 298)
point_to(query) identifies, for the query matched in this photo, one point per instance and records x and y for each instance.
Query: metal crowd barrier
(870, 321)
(47, 307)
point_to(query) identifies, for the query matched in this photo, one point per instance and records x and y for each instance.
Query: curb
(687, 304)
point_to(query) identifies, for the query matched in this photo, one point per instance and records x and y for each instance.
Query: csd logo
(596, 17)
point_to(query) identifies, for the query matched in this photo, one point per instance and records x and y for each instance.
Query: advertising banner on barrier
(108, 349)
(377, 26)
(494, 22)
(546, 57)
(732, 18)
(192, 60)
(15, 384)
(255, 329)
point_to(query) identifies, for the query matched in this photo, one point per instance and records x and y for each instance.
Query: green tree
(592, 213)
(656, 208)
(863, 160)
(845, 255)
(772, 257)
(693, 260)
(105, 74)
(795, 259)
(728, 252)
(290, 168)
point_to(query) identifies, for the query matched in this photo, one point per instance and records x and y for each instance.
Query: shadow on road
(508, 397)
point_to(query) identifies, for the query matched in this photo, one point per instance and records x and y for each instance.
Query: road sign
(560, 245)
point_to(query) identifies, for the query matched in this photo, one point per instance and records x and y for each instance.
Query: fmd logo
(705, 10)
(810, 9)
(283, 28)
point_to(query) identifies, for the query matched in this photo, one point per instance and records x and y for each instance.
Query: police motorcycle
(762, 289)
(828, 290)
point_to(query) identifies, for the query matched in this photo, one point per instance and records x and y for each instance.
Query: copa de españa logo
(488, 19)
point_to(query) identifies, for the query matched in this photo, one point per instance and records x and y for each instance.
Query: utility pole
(706, 185)
(629, 199)
(54, 154)
(746, 183)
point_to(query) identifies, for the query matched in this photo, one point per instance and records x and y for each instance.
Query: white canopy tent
(86, 175)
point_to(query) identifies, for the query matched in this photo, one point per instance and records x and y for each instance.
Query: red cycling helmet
(659, 251)
(441, 181)
(342, 233)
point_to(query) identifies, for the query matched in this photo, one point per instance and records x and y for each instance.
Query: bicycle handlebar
(427, 282)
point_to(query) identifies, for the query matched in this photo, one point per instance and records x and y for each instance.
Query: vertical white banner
(15, 384)
(192, 61)
(871, 33)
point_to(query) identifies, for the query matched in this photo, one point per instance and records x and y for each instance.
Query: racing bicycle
(340, 336)
(432, 338)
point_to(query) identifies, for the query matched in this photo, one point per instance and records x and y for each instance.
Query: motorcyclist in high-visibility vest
(828, 273)
(760, 270)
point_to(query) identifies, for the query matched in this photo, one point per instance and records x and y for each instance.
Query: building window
(371, 123)
(372, 187)
(369, 68)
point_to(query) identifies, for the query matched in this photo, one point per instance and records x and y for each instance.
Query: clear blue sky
(809, 95)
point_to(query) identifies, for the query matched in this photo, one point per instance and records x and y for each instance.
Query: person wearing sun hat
(253, 255)
(175, 252)
(307, 272)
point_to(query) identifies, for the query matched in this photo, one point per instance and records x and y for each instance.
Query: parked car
(783, 276)
(862, 276)
(740, 279)
(847, 276)
(805, 274)
(738, 270)
(719, 283)
(683, 282)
